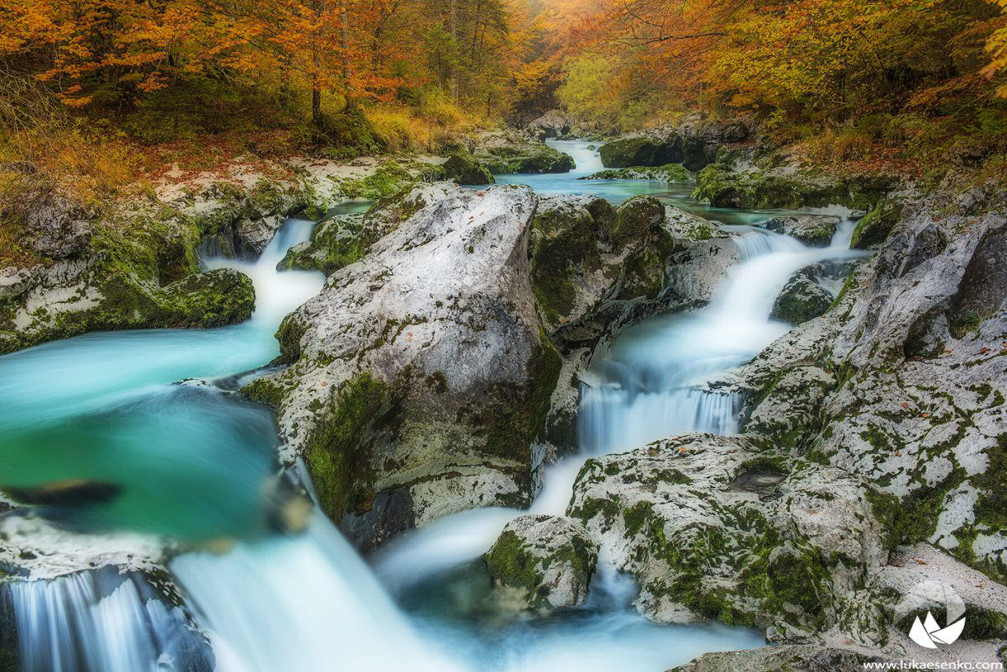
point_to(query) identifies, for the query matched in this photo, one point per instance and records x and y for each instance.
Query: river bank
(464, 341)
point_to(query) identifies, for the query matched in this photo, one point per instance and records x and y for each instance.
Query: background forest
(891, 83)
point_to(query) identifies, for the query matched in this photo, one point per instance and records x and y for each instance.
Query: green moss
(671, 173)
(265, 391)
(566, 246)
(336, 451)
(389, 178)
(639, 151)
(527, 159)
(875, 228)
(723, 187)
(289, 334)
(466, 169)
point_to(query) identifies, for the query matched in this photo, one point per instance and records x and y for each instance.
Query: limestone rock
(420, 378)
(812, 230)
(802, 299)
(550, 559)
(465, 169)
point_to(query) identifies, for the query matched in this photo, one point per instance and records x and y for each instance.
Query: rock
(552, 124)
(57, 227)
(66, 493)
(421, 377)
(345, 239)
(252, 236)
(696, 272)
(694, 143)
(793, 658)
(505, 153)
(802, 299)
(812, 230)
(685, 517)
(724, 187)
(639, 151)
(673, 173)
(465, 169)
(873, 229)
(983, 288)
(917, 407)
(548, 558)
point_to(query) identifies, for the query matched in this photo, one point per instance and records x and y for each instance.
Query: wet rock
(345, 239)
(465, 169)
(812, 230)
(693, 144)
(421, 369)
(696, 272)
(548, 558)
(802, 299)
(640, 151)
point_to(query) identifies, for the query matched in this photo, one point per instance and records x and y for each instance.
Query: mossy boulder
(528, 158)
(550, 560)
(635, 217)
(639, 151)
(390, 178)
(802, 299)
(724, 187)
(672, 173)
(465, 169)
(812, 230)
(875, 228)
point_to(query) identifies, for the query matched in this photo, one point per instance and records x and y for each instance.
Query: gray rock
(812, 230)
(793, 658)
(802, 299)
(549, 559)
(552, 124)
(419, 371)
(983, 288)
(683, 517)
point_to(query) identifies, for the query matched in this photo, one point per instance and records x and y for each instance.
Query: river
(152, 413)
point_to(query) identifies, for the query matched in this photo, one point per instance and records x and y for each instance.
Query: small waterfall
(101, 621)
(309, 604)
(587, 160)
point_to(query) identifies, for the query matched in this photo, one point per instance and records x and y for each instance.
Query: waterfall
(101, 621)
(308, 604)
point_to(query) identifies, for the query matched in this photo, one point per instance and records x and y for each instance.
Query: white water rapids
(310, 603)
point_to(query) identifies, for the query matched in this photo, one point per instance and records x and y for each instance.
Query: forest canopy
(876, 79)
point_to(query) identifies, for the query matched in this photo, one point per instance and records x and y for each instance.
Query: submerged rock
(802, 299)
(812, 230)
(420, 376)
(549, 559)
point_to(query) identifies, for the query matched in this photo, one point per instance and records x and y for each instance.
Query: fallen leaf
(984, 351)
(919, 562)
(905, 404)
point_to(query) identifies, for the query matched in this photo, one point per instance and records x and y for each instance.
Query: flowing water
(191, 461)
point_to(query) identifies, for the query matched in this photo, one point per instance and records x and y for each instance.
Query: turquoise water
(188, 459)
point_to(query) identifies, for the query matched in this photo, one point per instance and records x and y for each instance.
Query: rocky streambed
(536, 402)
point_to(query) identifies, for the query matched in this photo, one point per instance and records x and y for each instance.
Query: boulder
(802, 299)
(812, 230)
(983, 288)
(345, 239)
(420, 375)
(673, 173)
(873, 229)
(549, 559)
(552, 124)
(714, 527)
(508, 152)
(465, 169)
(639, 150)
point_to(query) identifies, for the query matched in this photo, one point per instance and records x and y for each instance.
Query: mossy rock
(335, 243)
(672, 173)
(348, 135)
(801, 300)
(389, 178)
(526, 159)
(639, 151)
(726, 188)
(465, 169)
(549, 559)
(874, 229)
(636, 217)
